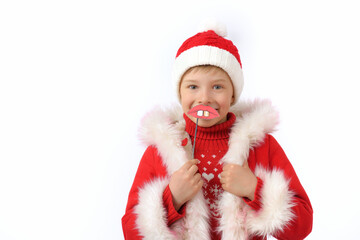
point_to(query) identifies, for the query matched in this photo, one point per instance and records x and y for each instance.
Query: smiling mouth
(203, 112)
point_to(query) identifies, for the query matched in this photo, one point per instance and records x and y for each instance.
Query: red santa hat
(209, 47)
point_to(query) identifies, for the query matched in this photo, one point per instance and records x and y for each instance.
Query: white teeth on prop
(200, 113)
(206, 113)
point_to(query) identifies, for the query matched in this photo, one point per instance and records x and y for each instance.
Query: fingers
(230, 166)
(200, 184)
(224, 183)
(194, 173)
(231, 170)
(193, 170)
(189, 169)
(194, 178)
(189, 164)
(222, 180)
(197, 177)
(226, 174)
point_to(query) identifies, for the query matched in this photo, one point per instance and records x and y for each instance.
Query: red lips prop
(203, 112)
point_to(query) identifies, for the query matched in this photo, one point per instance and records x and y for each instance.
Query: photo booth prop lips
(203, 112)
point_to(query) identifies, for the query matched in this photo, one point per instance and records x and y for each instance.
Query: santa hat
(209, 47)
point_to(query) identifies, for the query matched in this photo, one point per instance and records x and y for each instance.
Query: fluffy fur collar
(164, 128)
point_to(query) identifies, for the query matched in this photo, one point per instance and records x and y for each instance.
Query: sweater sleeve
(286, 211)
(256, 203)
(172, 214)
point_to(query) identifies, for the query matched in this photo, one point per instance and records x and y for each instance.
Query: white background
(76, 77)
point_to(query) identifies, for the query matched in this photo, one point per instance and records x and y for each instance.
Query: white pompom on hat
(209, 47)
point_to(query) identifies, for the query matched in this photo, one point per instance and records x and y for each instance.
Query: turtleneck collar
(218, 131)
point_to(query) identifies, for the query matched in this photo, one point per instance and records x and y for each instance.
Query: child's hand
(185, 183)
(239, 180)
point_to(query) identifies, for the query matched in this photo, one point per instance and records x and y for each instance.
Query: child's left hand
(239, 180)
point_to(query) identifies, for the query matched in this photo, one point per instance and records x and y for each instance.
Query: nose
(204, 96)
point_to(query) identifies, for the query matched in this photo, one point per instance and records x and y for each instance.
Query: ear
(179, 88)
(232, 100)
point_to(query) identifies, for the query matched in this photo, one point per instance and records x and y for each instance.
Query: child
(240, 184)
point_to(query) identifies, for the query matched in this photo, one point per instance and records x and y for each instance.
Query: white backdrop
(76, 77)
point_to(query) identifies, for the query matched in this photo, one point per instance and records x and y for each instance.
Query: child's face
(207, 87)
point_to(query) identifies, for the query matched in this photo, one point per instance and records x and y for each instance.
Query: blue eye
(217, 87)
(192, 87)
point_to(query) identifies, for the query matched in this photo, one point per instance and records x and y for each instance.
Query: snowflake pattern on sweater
(210, 170)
